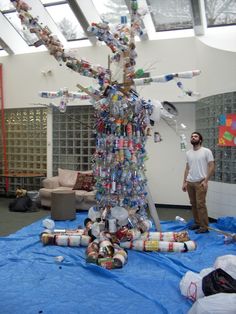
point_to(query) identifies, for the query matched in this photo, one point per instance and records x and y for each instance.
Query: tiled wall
(221, 196)
(208, 111)
(73, 138)
(73, 141)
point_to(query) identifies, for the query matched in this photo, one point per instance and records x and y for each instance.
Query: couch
(82, 182)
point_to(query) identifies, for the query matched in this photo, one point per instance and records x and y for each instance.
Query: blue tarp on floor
(31, 281)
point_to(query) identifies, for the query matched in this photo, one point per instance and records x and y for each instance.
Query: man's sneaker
(202, 230)
(194, 227)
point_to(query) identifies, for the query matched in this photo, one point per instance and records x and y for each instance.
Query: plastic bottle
(180, 219)
(183, 143)
(94, 213)
(228, 239)
(48, 223)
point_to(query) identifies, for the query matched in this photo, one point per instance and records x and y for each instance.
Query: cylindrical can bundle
(159, 246)
(166, 236)
(76, 232)
(68, 240)
(72, 240)
(165, 246)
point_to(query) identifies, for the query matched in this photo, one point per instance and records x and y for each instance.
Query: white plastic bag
(220, 303)
(191, 286)
(228, 264)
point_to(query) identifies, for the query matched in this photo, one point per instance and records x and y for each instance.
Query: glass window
(23, 31)
(220, 12)
(108, 9)
(171, 14)
(66, 21)
(23, 148)
(73, 149)
(6, 5)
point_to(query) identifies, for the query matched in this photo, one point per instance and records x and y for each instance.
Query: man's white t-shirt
(198, 163)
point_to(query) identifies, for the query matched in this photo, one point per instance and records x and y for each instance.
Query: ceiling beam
(199, 17)
(85, 14)
(6, 47)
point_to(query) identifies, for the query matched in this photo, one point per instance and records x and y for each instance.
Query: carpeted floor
(11, 222)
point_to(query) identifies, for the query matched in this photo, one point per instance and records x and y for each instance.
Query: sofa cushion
(51, 183)
(67, 177)
(84, 181)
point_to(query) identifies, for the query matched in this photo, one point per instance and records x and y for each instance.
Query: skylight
(171, 15)
(220, 12)
(6, 5)
(66, 21)
(24, 32)
(112, 11)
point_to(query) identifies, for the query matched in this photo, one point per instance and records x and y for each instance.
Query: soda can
(62, 240)
(138, 245)
(151, 245)
(85, 240)
(106, 262)
(47, 238)
(190, 245)
(74, 240)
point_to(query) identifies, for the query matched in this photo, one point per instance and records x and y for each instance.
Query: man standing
(199, 168)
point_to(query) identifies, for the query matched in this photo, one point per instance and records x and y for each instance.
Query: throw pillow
(67, 177)
(84, 182)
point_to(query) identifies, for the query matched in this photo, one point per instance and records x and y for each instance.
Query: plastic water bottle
(180, 219)
(183, 143)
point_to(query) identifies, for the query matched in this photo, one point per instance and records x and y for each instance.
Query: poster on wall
(227, 130)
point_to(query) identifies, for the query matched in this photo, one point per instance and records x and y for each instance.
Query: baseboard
(173, 206)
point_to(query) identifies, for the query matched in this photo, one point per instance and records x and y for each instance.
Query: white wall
(221, 199)
(166, 163)
(218, 70)
(23, 79)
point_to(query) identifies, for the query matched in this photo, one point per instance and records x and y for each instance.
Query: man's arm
(210, 171)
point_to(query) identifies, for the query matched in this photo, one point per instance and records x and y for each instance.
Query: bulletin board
(227, 130)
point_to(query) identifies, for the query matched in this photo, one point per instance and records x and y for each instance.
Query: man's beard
(195, 142)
